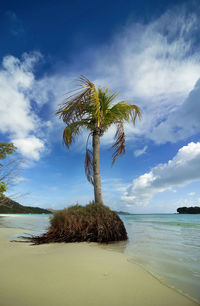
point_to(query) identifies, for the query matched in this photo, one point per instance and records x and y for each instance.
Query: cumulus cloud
(140, 151)
(182, 122)
(30, 146)
(18, 120)
(182, 169)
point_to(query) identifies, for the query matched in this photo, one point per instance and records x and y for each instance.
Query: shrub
(93, 223)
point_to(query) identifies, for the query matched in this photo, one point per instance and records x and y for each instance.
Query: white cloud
(154, 59)
(182, 122)
(29, 146)
(140, 151)
(18, 119)
(182, 169)
(191, 194)
(154, 65)
(187, 202)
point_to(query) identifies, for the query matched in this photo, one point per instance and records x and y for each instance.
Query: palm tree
(94, 110)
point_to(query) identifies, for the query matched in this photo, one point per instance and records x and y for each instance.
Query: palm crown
(94, 110)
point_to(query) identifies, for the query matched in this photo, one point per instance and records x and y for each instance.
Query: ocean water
(167, 245)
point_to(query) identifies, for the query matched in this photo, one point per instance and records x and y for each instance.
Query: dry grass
(94, 222)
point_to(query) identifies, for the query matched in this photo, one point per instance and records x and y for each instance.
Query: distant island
(189, 210)
(123, 213)
(8, 206)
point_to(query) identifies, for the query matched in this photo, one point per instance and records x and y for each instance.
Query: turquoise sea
(167, 245)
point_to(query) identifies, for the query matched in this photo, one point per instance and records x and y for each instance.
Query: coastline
(76, 274)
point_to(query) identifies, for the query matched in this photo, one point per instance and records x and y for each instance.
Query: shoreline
(76, 274)
(153, 274)
(164, 283)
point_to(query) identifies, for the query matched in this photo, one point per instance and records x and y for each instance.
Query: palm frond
(89, 166)
(84, 103)
(84, 82)
(89, 163)
(106, 98)
(72, 130)
(95, 99)
(135, 112)
(75, 106)
(92, 97)
(119, 144)
(121, 111)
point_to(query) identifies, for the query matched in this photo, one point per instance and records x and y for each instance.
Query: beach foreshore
(76, 274)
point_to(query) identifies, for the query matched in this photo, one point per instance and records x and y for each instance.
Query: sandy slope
(76, 274)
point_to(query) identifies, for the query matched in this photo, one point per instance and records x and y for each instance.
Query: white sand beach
(76, 274)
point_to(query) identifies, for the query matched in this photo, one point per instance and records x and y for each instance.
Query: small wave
(175, 223)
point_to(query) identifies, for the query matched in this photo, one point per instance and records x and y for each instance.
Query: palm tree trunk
(96, 168)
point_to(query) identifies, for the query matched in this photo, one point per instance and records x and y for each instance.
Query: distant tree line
(189, 210)
(8, 206)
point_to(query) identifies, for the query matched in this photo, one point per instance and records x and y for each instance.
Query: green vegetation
(9, 206)
(189, 210)
(77, 223)
(93, 109)
(3, 188)
(5, 149)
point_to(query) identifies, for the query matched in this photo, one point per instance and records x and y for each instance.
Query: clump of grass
(93, 223)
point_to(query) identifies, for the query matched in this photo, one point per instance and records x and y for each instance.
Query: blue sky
(147, 50)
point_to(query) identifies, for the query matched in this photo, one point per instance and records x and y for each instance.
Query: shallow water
(168, 246)
(33, 222)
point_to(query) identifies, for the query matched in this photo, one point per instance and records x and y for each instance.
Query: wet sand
(78, 274)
